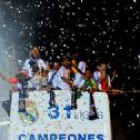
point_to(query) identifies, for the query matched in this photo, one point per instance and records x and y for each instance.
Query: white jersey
(35, 83)
(81, 84)
(54, 78)
(32, 83)
(63, 72)
(78, 77)
(41, 64)
(82, 66)
(77, 80)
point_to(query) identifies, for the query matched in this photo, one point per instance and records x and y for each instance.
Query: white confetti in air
(139, 56)
(4, 25)
(134, 1)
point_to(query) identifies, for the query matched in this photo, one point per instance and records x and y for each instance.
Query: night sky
(103, 29)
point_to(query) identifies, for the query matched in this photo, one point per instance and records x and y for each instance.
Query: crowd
(64, 74)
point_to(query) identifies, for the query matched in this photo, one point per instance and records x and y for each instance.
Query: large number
(68, 108)
(53, 112)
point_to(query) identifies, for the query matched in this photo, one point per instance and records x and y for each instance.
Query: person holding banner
(35, 82)
(88, 83)
(80, 63)
(53, 76)
(102, 78)
(34, 60)
(13, 81)
(64, 73)
(76, 76)
(104, 81)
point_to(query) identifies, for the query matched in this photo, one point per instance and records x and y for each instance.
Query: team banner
(35, 118)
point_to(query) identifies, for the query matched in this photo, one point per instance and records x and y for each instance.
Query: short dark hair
(88, 69)
(102, 62)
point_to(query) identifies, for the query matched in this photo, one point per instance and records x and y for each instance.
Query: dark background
(101, 29)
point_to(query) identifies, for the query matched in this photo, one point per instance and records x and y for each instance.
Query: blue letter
(32, 137)
(91, 137)
(62, 136)
(80, 137)
(72, 135)
(100, 137)
(53, 136)
(84, 115)
(22, 136)
(55, 113)
(67, 108)
(45, 137)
